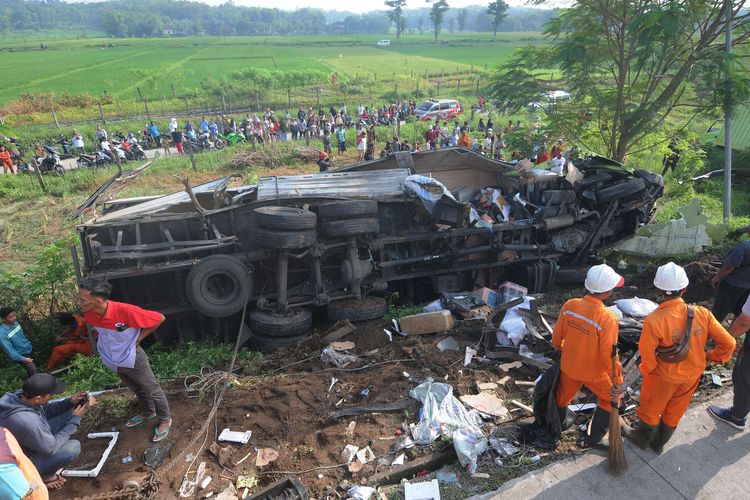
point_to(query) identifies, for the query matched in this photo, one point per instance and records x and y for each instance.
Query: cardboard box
(488, 295)
(431, 322)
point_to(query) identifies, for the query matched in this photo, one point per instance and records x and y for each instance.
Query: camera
(83, 401)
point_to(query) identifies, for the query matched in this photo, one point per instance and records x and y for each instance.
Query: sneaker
(725, 415)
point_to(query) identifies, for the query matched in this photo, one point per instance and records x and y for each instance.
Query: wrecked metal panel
(109, 189)
(175, 202)
(371, 184)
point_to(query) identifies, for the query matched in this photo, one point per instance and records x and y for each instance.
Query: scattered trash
(206, 481)
(349, 452)
(364, 392)
(405, 374)
(448, 344)
(480, 475)
(443, 414)
(246, 482)
(95, 471)
(434, 306)
(582, 407)
(365, 455)
(527, 409)
(361, 492)
(508, 291)
(266, 456)
(507, 366)
(187, 488)
(333, 382)
(289, 487)
(337, 331)
(350, 428)
(446, 477)
(331, 357)
(487, 403)
(503, 447)
(402, 443)
(389, 334)
(616, 311)
(424, 323)
(536, 458)
(399, 460)
(190, 457)
(155, 455)
(504, 380)
(513, 325)
(636, 307)
(229, 493)
(469, 354)
(343, 346)
(716, 379)
(486, 386)
(127, 459)
(235, 436)
(429, 490)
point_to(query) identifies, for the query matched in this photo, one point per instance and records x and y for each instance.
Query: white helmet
(671, 278)
(602, 278)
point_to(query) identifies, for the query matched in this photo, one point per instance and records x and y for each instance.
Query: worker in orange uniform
(586, 333)
(673, 358)
(75, 340)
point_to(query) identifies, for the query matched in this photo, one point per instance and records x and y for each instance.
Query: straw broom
(617, 462)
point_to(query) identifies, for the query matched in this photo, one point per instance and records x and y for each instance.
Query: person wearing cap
(44, 428)
(18, 476)
(324, 161)
(14, 342)
(121, 329)
(585, 334)
(732, 281)
(736, 415)
(669, 383)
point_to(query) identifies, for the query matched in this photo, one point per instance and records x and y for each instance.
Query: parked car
(443, 109)
(332, 245)
(383, 43)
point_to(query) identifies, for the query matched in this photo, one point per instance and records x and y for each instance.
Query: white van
(443, 109)
(383, 43)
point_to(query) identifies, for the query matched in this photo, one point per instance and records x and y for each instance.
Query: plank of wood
(396, 406)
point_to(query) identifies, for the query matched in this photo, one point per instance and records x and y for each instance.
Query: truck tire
(627, 188)
(284, 239)
(570, 276)
(297, 322)
(347, 209)
(357, 309)
(293, 218)
(263, 343)
(218, 286)
(350, 227)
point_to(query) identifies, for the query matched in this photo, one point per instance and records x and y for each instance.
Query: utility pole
(728, 121)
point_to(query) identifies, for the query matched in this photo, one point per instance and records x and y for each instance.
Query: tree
(629, 66)
(396, 15)
(462, 14)
(437, 16)
(497, 11)
(115, 23)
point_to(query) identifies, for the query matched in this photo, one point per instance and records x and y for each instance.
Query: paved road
(70, 163)
(705, 459)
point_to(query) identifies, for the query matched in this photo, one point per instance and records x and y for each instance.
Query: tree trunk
(494, 33)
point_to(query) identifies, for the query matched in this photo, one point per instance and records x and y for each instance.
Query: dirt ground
(285, 406)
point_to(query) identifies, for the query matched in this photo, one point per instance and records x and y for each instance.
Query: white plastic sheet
(513, 324)
(443, 414)
(417, 183)
(636, 307)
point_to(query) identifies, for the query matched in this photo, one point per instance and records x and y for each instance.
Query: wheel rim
(220, 288)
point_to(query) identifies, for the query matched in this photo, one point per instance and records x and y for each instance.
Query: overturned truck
(309, 247)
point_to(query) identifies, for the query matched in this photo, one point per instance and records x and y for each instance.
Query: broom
(617, 462)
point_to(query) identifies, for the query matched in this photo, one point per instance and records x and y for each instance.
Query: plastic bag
(636, 307)
(443, 414)
(418, 183)
(616, 311)
(513, 324)
(339, 359)
(360, 492)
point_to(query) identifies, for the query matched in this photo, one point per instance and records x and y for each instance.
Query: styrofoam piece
(95, 471)
(235, 436)
(582, 407)
(428, 490)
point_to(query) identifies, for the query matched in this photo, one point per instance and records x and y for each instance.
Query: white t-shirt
(362, 144)
(746, 307)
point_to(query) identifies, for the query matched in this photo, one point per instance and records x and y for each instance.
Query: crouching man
(43, 429)
(585, 333)
(673, 357)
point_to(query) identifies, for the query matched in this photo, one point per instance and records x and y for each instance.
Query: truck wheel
(284, 239)
(350, 227)
(269, 344)
(627, 188)
(218, 286)
(285, 218)
(297, 322)
(357, 309)
(570, 276)
(347, 209)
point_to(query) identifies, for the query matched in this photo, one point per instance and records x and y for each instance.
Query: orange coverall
(75, 341)
(668, 387)
(585, 333)
(38, 489)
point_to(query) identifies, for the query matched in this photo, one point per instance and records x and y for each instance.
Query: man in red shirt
(121, 328)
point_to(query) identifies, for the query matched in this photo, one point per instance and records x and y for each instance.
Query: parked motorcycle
(66, 146)
(50, 162)
(98, 159)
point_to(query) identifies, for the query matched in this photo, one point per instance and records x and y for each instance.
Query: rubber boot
(663, 434)
(598, 429)
(567, 417)
(641, 434)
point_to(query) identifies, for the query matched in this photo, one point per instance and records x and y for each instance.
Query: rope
(207, 380)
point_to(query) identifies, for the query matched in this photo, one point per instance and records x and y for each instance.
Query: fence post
(395, 91)
(417, 93)
(442, 72)
(223, 105)
(190, 152)
(139, 93)
(54, 117)
(369, 86)
(478, 79)
(289, 98)
(458, 86)
(257, 101)
(38, 173)
(438, 90)
(174, 92)
(101, 113)
(187, 110)
(148, 113)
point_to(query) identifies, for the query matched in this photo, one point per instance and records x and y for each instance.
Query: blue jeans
(47, 465)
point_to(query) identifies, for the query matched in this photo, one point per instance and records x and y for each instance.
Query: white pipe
(95, 471)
